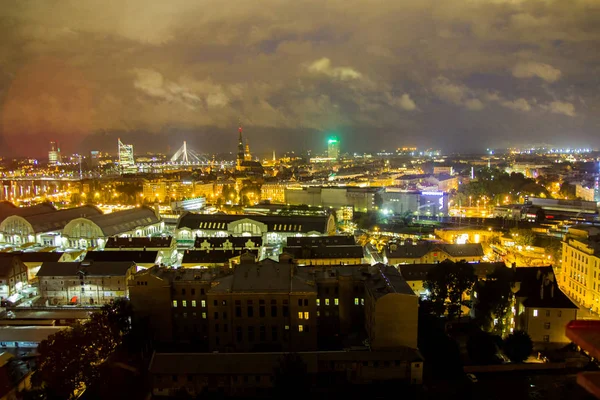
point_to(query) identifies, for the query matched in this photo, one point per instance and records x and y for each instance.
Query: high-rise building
(54, 154)
(94, 158)
(333, 148)
(126, 159)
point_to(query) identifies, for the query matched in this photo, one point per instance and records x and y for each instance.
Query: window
(225, 328)
(261, 311)
(299, 302)
(183, 292)
(547, 313)
(238, 311)
(300, 328)
(250, 311)
(224, 302)
(215, 303)
(300, 315)
(216, 315)
(217, 328)
(203, 303)
(535, 313)
(285, 311)
(251, 333)
(336, 302)
(546, 338)
(306, 302)
(287, 327)
(306, 315)
(238, 333)
(273, 311)
(202, 292)
(193, 292)
(262, 334)
(274, 333)
(174, 303)
(362, 302)
(203, 315)
(326, 302)
(193, 303)
(318, 302)
(356, 301)
(547, 325)
(184, 303)
(560, 313)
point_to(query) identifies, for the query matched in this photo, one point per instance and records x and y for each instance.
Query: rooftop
(90, 268)
(138, 242)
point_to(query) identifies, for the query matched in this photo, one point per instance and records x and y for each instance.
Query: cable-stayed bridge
(187, 156)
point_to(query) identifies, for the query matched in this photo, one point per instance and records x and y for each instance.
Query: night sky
(449, 74)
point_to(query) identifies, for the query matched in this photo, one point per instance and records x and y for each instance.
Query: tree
(70, 360)
(518, 346)
(494, 297)
(447, 283)
(523, 237)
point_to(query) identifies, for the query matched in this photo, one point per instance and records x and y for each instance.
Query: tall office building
(333, 148)
(54, 154)
(126, 160)
(94, 158)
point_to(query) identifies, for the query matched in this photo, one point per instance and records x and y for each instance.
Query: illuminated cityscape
(294, 200)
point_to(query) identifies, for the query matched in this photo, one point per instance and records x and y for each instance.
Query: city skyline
(457, 75)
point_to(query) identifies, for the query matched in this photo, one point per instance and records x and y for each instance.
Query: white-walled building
(44, 229)
(86, 282)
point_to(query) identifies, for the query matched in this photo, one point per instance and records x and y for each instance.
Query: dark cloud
(454, 74)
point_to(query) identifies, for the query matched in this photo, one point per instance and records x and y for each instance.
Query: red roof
(586, 334)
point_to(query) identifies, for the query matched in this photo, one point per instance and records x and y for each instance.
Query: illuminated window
(300, 328)
(203, 303)
(362, 302)
(306, 315)
(287, 327)
(326, 302)
(174, 303)
(535, 312)
(300, 315)
(318, 313)
(318, 302)
(356, 301)
(336, 302)
(193, 303)
(184, 303)
(203, 315)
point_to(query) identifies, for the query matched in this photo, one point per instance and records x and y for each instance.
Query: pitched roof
(6, 265)
(138, 242)
(213, 256)
(7, 209)
(37, 256)
(275, 223)
(140, 257)
(236, 241)
(90, 268)
(266, 276)
(539, 288)
(353, 251)
(338, 240)
(384, 280)
(123, 221)
(57, 220)
(420, 249)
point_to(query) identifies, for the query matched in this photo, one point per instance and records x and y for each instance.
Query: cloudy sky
(450, 74)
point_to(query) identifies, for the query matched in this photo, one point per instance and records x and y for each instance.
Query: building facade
(580, 274)
(85, 283)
